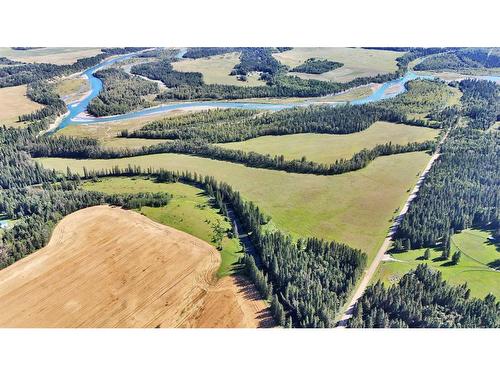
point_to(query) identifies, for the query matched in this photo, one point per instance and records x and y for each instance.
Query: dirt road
(388, 240)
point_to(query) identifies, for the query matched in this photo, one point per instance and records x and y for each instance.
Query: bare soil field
(107, 267)
(14, 102)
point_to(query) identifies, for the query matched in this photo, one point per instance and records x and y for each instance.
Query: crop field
(14, 102)
(189, 211)
(477, 265)
(108, 267)
(356, 208)
(358, 62)
(216, 69)
(326, 148)
(52, 55)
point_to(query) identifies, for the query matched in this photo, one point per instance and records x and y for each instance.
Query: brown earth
(107, 267)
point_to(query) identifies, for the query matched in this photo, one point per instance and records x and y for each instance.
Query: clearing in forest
(356, 208)
(327, 148)
(216, 70)
(358, 62)
(13, 103)
(480, 257)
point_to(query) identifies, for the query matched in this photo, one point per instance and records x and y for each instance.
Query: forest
(121, 93)
(461, 190)
(324, 119)
(15, 75)
(163, 71)
(421, 299)
(462, 59)
(317, 66)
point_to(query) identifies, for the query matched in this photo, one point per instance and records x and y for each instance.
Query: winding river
(77, 110)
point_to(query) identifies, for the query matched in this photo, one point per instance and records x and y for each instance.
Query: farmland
(479, 256)
(189, 211)
(107, 267)
(326, 148)
(14, 102)
(217, 69)
(49, 55)
(358, 62)
(355, 208)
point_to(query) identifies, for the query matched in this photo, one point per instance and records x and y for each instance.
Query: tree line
(307, 280)
(343, 119)
(421, 299)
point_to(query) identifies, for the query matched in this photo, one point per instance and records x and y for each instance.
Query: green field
(326, 148)
(189, 211)
(358, 62)
(477, 254)
(216, 69)
(356, 208)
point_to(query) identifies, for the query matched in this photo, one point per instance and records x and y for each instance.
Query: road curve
(387, 241)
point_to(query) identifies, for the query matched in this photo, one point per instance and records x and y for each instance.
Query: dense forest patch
(121, 93)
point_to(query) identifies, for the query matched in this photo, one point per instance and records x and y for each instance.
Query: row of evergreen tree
(307, 281)
(461, 190)
(324, 119)
(421, 299)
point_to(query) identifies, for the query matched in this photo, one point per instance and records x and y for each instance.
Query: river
(77, 110)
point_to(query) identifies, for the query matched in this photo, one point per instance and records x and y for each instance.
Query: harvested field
(14, 102)
(50, 55)
(107, 267)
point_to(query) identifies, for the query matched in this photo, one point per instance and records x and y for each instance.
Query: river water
(77, 110)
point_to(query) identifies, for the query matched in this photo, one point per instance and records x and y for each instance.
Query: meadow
(50, 55)
(358, 62)
(216, 69)
(479, 255)
(356, 208)
(107, 132)
(326, 148)
(14, 102)
(189, 211)
(72, 88)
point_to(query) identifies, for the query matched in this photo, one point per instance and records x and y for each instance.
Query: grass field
(52, 55)
(216, 69)
(326, 148)
(358, 62)
(108, 267)
(72, 88)
(107, 132)
(189, 211)
(478, 254)
(14, 102)
(356, 208)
